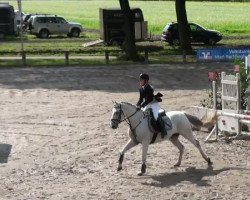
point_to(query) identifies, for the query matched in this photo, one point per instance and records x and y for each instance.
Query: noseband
(118, 120)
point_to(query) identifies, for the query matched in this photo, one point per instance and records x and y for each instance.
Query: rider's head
(144, 78)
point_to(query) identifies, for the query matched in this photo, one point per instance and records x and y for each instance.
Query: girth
(153, 124)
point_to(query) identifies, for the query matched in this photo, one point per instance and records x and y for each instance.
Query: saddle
(154, 126)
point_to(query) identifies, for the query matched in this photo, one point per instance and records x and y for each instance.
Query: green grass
(231, 19)
(153, 59)
(227, 17)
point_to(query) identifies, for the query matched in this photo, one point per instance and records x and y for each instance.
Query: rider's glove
(138, 107)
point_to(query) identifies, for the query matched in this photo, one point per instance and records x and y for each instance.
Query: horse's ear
(114, 102)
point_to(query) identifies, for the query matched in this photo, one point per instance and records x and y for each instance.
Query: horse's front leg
(144, 157)
(128, 146)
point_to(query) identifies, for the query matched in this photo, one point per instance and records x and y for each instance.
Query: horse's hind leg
(197, 144)
(128, 146)
(176, 142)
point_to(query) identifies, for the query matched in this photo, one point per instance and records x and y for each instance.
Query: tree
(183, 27)
(129, 29)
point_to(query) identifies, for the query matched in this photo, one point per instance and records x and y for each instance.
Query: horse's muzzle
(113, 125)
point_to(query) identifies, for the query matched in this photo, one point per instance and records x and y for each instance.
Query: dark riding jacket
(146, 95)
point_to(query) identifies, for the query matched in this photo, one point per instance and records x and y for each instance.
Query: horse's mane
(128, 104)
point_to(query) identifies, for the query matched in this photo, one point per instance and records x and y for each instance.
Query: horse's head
(117, 116)
(122, 112)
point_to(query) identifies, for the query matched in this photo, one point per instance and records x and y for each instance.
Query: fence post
(24, 58)
(215, 107)
(66, 58)
(107, 57)
(215, 129)
(146, 56)
(184, 56)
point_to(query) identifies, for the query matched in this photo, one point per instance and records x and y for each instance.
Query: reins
(126, 119)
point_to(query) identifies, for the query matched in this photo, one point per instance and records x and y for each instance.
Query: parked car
(44, 25)
(26, 18)
(197, 34)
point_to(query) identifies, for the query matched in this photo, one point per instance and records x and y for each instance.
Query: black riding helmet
(144, 77)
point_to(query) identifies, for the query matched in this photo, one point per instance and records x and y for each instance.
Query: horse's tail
(208, 122)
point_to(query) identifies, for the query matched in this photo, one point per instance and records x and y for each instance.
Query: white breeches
(155, 108)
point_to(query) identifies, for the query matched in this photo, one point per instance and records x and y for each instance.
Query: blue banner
(225, 54)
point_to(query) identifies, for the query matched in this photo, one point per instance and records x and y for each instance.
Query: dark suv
(197, 33)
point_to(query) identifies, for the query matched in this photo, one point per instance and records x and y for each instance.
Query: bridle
(126, 119)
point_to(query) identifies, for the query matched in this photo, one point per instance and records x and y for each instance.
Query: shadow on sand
(111, 78)
(191, 174)
(5, 150)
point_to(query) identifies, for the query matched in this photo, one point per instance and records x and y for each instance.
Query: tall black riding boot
(162, 126)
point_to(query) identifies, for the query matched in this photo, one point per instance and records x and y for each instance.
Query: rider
(148, 100)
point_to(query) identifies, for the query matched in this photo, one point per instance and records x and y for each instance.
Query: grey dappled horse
(139, 131)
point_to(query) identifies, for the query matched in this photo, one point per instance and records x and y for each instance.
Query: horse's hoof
(177, 165)
(119, 169)
(140, 174)
(209, 162)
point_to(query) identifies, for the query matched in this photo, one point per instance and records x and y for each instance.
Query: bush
(243, 82)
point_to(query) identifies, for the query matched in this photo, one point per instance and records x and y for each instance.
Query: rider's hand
(138, 107)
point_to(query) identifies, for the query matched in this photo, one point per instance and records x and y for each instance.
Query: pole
(19, 2)
(235, 115)
(215, 107)
(215, 129)
(66, 58)
(107, 57)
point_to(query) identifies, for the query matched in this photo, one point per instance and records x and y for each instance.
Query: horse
(139, 131)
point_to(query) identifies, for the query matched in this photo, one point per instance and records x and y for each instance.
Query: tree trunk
(129, 30)
(183, 27)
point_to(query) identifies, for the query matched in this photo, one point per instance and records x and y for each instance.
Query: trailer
(112, 25)
(8, 25)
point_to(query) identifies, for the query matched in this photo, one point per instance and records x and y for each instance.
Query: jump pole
(235, 115)
(215, 129)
